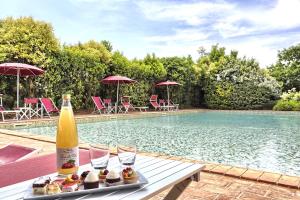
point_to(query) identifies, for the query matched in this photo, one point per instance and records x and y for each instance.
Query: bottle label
(67, 158)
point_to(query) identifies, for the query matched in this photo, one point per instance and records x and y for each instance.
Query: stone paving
(216, 182)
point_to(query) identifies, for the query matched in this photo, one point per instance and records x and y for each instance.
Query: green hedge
(230, 82)
(290, 101)
(287, 105)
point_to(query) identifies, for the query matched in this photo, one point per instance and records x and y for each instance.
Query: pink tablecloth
(33, 167)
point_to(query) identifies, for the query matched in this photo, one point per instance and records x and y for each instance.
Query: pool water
(261, 140)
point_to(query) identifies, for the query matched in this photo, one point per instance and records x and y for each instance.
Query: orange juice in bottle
(67, 152)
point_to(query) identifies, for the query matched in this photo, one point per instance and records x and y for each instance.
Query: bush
(287, 105)
(289, 101)
(235, 83)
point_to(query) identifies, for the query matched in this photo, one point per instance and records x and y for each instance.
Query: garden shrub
(235, 83)
(290, 101)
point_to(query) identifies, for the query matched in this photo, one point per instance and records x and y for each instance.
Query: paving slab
(269, 177)
(252, 174)
(289, 181)
(236, 172)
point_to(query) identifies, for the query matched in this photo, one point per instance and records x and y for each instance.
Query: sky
(256, 28)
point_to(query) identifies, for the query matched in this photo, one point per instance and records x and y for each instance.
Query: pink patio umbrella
(117, 80)
(167, 83)
(19, 69)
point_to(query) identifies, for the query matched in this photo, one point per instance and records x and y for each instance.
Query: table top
(161, 174)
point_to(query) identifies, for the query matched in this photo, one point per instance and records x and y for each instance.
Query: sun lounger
(99, 105)
(153, 102)
(33, 105)
(9, 112)
(48, 106)
(176, 106)
(126, 106)
(108, 104)
(12, 152)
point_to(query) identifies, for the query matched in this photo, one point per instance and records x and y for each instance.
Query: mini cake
(40, 186)
(71, 179)
(70, 187)
(83, 175)
(129, 176)
(102, 175)
(112, 178)
(91, 181)
(53, 188)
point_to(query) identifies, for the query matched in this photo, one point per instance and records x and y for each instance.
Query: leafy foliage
(287, 68)
(230, 82)
(290, 101)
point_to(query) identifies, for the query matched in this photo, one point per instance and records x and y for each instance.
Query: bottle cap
(66, 97)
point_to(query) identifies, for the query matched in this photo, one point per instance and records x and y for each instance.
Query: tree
(230, 82)
(287, 68)
(28, 41)
(107, 45)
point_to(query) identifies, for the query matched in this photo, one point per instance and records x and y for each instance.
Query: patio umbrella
(19, 69)
(167, 83)
(117, 80)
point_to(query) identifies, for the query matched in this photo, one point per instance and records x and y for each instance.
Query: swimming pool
(262, 140)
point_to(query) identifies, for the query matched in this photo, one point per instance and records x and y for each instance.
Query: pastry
(40, 186)
(112, 178)
(91, 181)
(53, 188)
(69, 187)
(129, 176)
(102, 175)
(71, 179)
(83, 175)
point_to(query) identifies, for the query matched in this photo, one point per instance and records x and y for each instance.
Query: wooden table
(161, 174)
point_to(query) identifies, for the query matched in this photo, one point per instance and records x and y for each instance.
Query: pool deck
(217, 181)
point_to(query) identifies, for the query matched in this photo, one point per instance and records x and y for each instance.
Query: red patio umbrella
(167, 83)
(19, 69)
(117, 80)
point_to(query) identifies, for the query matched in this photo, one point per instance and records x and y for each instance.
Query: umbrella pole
(117, 96)
(18, 86)
(168, 97)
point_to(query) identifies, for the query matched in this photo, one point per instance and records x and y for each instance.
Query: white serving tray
(102, 188)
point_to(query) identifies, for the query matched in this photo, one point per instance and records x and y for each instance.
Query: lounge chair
(3, 111)
(48, 106)
(12, 152)
(153, 102)
(176, 106)
(125, 104)
(99, 105)
(9, 112)
(33, 105)
(108, 104)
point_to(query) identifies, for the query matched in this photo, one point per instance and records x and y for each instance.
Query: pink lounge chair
(12, 152)
(33, 105)
(99, 105)
(108, 105)
(153, 102)
(125, 103)
(48, 106)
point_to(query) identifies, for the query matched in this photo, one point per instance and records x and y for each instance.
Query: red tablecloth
(33, 167)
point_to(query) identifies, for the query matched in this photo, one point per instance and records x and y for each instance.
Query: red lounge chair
(99, 105)
(125, 103)
(33, 105)
(48, 106)
(108, 105)
(153, 102)
(12, 152)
